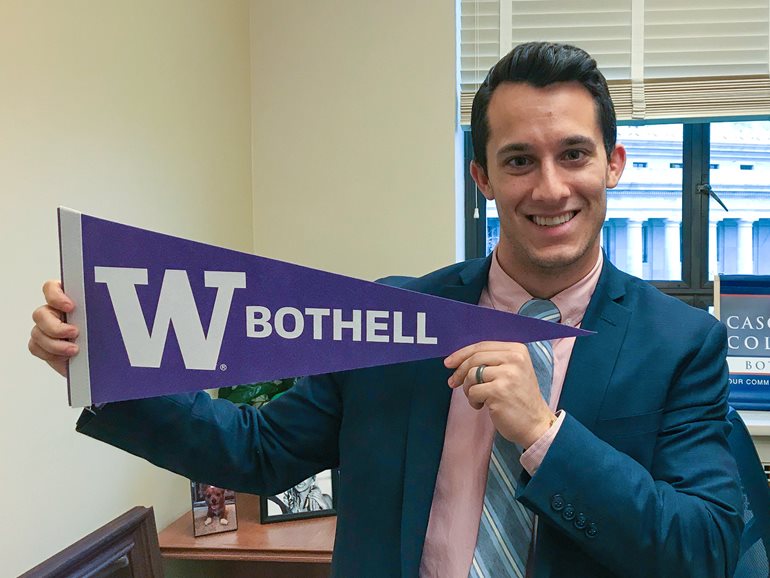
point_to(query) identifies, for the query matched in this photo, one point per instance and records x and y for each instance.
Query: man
(630, 477)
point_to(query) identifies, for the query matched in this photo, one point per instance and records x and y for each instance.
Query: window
(738, 236)
(665, 60)
(646, 206)
(668, 225)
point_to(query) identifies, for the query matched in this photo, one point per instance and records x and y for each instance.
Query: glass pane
(493, 227)
(643, 231)
(739, 239)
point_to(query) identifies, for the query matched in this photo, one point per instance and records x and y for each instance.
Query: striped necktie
(505, 528)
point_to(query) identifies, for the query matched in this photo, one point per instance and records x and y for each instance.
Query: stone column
(745, 247)
(634, 249)
(713, 265)
(673, 252)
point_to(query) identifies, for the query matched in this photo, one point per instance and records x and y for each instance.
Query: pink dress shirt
(462, 476)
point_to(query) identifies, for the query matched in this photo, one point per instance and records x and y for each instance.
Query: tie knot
(541, 309)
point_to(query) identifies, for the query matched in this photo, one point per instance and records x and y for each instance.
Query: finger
(36, 350)
(55, 296)
(489, 374)
(456, 358)
(508, 353)
(58, 347)
(58, 363)
(467, 369)
(479, 394)
(50, 323)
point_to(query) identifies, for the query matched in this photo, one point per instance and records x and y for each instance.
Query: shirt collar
(506, 294)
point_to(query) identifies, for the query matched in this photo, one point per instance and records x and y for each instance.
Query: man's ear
(482, 181)
(616, 165)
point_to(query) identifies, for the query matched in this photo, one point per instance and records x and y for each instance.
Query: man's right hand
(51, 338)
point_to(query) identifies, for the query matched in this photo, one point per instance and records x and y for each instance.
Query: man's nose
(551, 184)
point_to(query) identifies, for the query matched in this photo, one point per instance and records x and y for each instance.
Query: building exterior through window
(643, 231)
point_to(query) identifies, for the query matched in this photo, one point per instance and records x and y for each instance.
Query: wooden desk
(305, 542)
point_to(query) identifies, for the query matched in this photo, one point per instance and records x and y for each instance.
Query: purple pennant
(159, 315)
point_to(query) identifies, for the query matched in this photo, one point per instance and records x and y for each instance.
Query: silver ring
(480, 373)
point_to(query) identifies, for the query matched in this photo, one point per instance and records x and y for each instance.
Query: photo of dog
(213, 509)
(215, 500)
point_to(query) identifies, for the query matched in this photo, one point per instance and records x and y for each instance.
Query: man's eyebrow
(522, 147)
(578, 140)
(514, 147)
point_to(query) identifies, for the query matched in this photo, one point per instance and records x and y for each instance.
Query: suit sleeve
(261, 451)
(678, 518)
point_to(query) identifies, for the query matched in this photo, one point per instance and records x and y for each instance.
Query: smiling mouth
(553, 221)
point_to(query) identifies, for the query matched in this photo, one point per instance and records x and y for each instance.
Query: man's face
(547, 171)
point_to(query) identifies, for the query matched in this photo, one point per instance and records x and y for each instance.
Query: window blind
(663, 59)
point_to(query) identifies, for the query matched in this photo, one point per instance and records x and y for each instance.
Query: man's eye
(519, 162)
(574, 155)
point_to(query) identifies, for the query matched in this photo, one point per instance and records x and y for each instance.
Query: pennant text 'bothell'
(159, 314)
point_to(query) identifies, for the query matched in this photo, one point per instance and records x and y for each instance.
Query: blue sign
(744, 308)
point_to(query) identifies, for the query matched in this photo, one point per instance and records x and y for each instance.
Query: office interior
(326, 134)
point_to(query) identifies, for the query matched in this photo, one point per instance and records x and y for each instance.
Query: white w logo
(176, 305)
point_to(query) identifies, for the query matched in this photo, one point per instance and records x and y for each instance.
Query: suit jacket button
(568, 513)
(592, 531)
(580, 521)
(557, 502)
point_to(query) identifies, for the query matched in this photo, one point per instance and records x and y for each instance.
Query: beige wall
(134, 110)
(140, 112)
(353, 134)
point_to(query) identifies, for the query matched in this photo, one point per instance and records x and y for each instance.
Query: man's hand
(51, 337)
(509, 390)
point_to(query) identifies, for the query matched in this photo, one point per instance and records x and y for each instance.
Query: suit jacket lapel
(428, 410)
(593, 358)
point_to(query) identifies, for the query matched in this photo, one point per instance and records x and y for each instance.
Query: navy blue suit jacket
(639, 481)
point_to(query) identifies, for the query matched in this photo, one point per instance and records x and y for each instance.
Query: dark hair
(541, 64)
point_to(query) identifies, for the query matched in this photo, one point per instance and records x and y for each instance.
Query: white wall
(137, 111)
(353, 134)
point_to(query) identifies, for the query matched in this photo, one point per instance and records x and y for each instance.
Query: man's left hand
(509, 389)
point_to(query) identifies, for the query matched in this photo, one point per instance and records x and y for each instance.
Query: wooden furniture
(127, 546)
(306, 544)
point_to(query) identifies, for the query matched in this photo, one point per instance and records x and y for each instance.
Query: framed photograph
(311, 498)
(213, 509)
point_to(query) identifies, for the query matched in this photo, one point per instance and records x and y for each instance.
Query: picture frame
(312, 498)
(213, 509)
